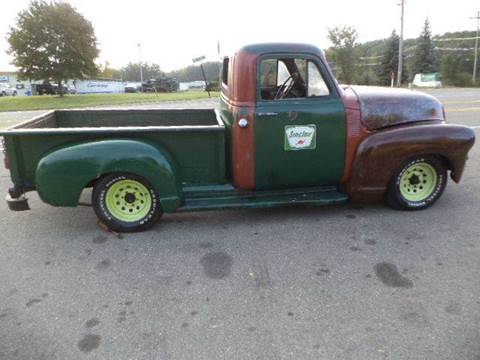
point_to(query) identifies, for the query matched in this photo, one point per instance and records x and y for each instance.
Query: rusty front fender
(382, 153)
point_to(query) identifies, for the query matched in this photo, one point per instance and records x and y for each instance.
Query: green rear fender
(62, 174)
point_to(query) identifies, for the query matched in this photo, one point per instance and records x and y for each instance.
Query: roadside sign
(197, 59)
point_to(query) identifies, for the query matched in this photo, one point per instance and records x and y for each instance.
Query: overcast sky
(172, 32)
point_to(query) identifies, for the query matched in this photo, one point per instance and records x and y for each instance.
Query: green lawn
(45, 102)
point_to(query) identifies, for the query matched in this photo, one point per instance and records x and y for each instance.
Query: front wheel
(417, 184)
(126, 202)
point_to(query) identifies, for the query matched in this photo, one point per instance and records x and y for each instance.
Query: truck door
(299, 124)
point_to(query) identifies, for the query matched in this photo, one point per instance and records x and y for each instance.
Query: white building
(82, 86)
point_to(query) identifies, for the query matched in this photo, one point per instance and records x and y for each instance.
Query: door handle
(243, 123)
(293, 115)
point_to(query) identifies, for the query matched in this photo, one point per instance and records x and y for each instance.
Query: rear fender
(382, 153)
(62, 174)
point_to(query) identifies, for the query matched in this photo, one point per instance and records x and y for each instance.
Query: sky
(172, 32)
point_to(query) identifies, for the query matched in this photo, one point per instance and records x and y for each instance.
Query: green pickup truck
(285, 133)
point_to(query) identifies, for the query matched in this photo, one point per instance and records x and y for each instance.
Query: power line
(370, 57)
(458, 39)
(453, 49)
(411, 48)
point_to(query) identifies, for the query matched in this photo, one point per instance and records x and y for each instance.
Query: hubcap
(418, 182)
(128, 200)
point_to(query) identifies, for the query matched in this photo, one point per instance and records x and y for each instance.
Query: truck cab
(286, 115)
(293, 125)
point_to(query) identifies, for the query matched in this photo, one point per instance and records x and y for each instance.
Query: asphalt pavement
(343, 282)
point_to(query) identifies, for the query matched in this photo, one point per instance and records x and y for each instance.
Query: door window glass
(290, 78)
(283, 73)
(301, 65)
(316, 83)
(268, 73)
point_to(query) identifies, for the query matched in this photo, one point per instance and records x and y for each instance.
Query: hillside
(453, 50)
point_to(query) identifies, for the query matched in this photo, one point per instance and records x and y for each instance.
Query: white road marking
(474, 109)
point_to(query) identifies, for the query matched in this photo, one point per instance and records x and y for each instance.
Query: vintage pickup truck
(285, 133)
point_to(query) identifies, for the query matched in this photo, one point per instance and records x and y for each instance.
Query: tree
(131, 72)
(194, 73)
(389, 62)
(424, 60)
(452, 68)
(344, 40)
(52, 41)
(367, 77)
(109, 73)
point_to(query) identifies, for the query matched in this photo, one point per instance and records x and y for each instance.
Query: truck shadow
(274, 214)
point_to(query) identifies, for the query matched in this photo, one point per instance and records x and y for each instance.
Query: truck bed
(118, 118)
(195, 138)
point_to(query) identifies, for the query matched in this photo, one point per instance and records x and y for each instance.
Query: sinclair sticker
(300, 137)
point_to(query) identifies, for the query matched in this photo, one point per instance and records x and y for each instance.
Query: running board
(227, 197)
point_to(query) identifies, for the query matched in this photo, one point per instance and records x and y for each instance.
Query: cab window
(291, 78)
(225, 64)
(316, 83)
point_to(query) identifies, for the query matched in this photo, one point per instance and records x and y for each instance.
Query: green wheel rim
(128, 200)
(418, 182)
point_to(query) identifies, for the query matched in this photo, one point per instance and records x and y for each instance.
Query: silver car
(7, 90)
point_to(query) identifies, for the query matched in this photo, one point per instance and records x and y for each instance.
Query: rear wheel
(417, 184)
(126, 202)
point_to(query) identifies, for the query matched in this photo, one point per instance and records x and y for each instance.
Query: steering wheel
(286, 87)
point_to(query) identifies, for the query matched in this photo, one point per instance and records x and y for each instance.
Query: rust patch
(356, 132)
(243, 150)
(241, 98)
(383, 107)
(382, 153)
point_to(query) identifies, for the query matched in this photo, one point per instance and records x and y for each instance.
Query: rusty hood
(384, 107)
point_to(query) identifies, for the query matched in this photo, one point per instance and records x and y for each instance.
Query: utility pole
(199, 59)
(400, 45)
(220, 68)
(474, 76)
(140, 62)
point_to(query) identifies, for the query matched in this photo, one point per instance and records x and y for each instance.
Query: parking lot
(343, 282)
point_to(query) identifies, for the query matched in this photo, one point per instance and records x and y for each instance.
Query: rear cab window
(225, 64)
(225, 75)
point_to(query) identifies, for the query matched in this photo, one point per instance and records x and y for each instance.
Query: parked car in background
(427, 80)
(133, 87)
(44, 89)
(7, 90)
(48, 88)
(165, 84)
(71, 90)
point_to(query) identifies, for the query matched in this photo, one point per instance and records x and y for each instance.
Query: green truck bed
(194, 138)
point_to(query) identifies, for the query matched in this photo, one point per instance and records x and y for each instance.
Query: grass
(46, 102)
